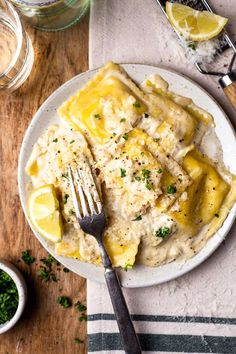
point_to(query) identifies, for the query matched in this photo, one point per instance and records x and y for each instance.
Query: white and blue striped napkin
(197, 312)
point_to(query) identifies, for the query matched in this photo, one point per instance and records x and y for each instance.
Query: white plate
(140, 276)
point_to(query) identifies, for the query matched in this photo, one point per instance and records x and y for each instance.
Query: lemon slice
(193, 24)
(44, 213)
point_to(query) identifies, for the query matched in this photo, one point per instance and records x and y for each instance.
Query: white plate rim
(97, 273)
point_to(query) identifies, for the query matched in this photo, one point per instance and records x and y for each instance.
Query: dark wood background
(46, 327)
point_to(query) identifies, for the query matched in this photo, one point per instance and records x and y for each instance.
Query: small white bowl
(22, 292)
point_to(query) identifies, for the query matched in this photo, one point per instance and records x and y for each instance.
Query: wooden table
(46, 327)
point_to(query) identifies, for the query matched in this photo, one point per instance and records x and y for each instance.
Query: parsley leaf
(127, 266)
(45, 272)
(156, 140)
(80, 307)
(148, 184)
(122, 172)
(160, 170)
(145, 173)
(146, 177)
(97, 116)
(139, 217)
(78, 341)
(125, 136)
(64, 301)
(171, 189)
(27, 258)
(137, 105)
(55, 140)
(65, 175)
(163, 232)
(72, 141)
(64, 199)
(192, 45)
(83, 318)
(122, 120)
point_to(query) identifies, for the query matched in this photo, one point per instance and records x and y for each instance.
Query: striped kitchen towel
(197, 312)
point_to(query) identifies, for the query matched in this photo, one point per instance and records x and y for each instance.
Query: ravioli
(183, 123)
(107, 107)
(163, 197)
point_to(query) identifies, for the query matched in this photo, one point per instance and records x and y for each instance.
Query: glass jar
(16, 51)
(52, 15)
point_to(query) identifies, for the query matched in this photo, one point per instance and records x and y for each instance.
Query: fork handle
(128, 335)
(228, 83)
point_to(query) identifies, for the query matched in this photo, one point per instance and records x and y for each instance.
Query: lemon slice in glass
(193, 24)
(44, 212)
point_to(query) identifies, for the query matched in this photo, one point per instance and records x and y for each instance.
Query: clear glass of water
(52, 15)
(16, 51)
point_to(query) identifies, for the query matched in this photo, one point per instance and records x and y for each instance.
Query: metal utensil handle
(128, 335)
(228, 83)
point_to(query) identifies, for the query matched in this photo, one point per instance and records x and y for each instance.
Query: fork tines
(83, 187)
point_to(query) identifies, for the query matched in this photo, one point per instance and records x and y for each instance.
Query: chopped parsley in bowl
(9, 298)
(13, 293)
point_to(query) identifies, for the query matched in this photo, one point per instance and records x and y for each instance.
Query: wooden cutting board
(46, 327)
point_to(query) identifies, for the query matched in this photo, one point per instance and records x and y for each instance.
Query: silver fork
(92, 220)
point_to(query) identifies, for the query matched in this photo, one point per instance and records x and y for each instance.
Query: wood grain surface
(46, 327)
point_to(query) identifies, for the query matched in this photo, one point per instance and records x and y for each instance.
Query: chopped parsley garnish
(163, 232)
(78, 341)
(171, 189)
(80, 307)
(122, 120)
(125, 136)
(160, 170)
(127, 266)
(65, 175)
(145, 173)
(137, 178)
(64, 301)
(9, 297)
(49, 261)
(45, 272)
(142, 153)
(71, 212)
(72, 141)
(217, 215)
(156, 140)
(122, 172)
(146, 177)
(146, 115)
(137, 105)
(55, 140)
(27, 257)
(83, 318)
(46, 275)
(192, 45)
(139, 217)
(64, 199)
(97, 116)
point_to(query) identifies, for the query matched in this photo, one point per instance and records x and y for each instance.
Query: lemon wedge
(44, 212)
(193, 24)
